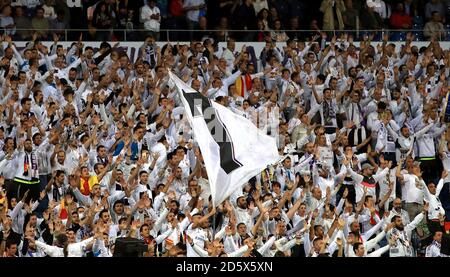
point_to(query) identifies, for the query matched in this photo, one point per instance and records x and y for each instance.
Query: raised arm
(230, 80)
(423, 131)
(379, 251)
(50, 250)
(205, 218)
(355, 176)
(373, 230)
(185, 223)
(260, 219)
(266, 246)
(440, 184)
(382, 174)
(86, 200)
(413, 224)
(398, 172)
(290, 214)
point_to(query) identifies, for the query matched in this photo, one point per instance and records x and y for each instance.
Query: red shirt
(176, 8)
(398, 20)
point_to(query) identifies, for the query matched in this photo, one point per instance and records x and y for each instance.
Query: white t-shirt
(199, 237)
(149, 23)
(410, 193)
(193, 15)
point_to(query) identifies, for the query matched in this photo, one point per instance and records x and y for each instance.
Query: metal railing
(219, 35)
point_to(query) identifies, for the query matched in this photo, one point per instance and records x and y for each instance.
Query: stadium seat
(418, 36)
(417, 20)
(398, 36)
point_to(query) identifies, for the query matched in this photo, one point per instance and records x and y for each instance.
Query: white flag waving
(233, 148)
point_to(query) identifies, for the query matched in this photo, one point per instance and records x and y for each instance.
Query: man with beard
(355, 114)
(55, 188)
(398, 211)
(95, 196)
(404, 142)
(401, 234)
(324, 180)
(27, 171)
(243, 214)
(321, 244)
(355, 235)
(358, 248)
(179, 183)
(188, 198)
(306, 162)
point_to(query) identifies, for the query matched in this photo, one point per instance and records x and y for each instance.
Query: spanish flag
(86, 184)
(244, 84)
(62, 210)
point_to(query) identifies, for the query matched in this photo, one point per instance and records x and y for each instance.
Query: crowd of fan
(282, 19)
(95, 147)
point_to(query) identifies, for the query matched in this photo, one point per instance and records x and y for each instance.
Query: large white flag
(233, 148)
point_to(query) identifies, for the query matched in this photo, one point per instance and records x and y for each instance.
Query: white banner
(233, 148)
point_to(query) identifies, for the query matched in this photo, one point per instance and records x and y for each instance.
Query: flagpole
(214, 226)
